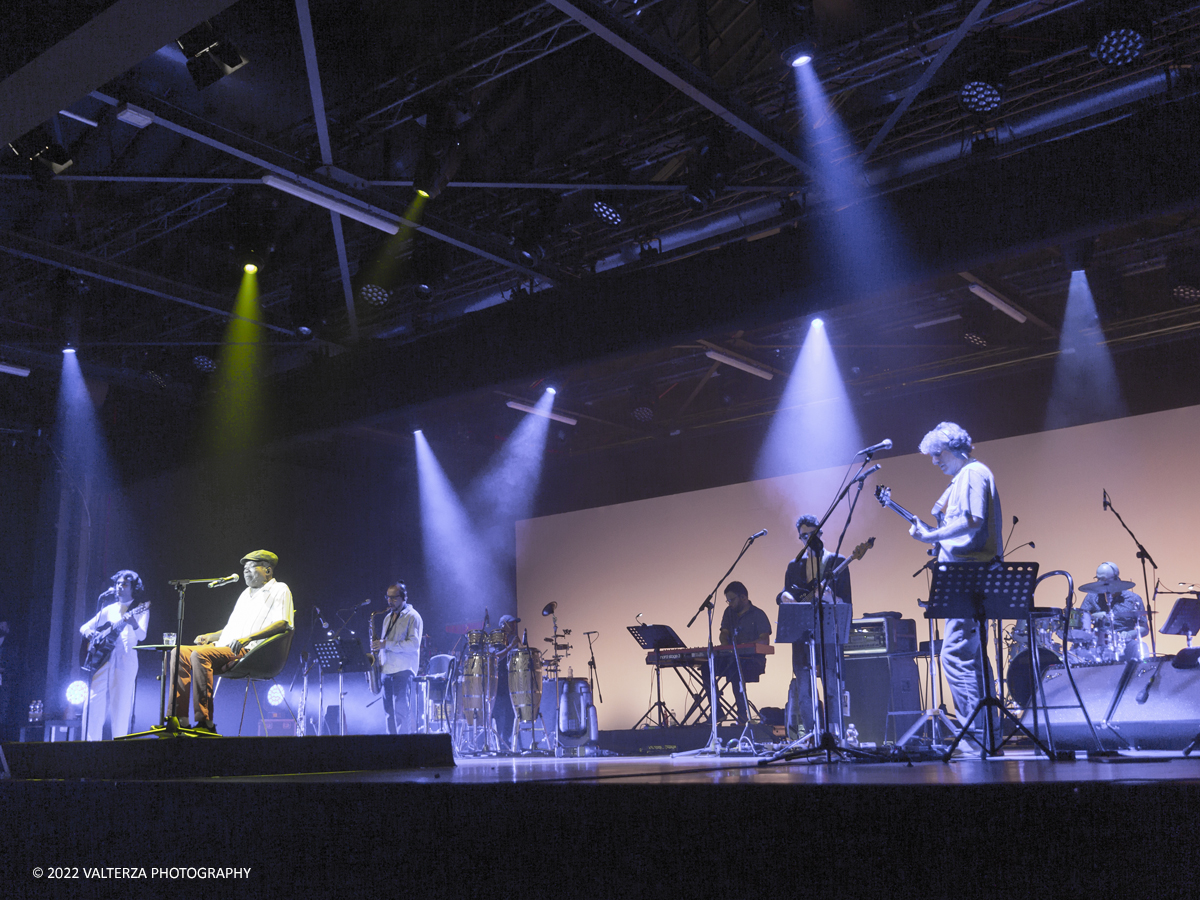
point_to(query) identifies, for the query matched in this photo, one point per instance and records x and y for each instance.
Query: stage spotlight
(210, 55)
(77, 692)
(1120, 32)
(706, 173)
(46, 157)
(417, 431)
(606, 213)
(249, 268)
(275, 695)
(1183, 273)
(442, 150)
(551, 391)
(204, 363)
(979, 97)
(69, 349)
(789, 25)
(374, 295)
(818, 323)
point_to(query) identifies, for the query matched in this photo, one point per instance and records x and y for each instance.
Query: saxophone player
(398, 649)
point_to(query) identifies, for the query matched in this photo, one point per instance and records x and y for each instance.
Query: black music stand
(656, 638)
(798, 622)
(982, 591)
(345, 655)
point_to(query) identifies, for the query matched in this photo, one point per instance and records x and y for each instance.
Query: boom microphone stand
(1144, 555)
(828, 743)
(169, 725)
(713, 747)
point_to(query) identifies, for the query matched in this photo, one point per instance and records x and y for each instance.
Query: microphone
(1107, 504)
(638, 617)
(758, 534)
(317, 613)
(366, 602)
(862, 476)
(885, 444)
(228, 579)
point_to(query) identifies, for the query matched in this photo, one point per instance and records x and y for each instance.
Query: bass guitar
(806, 593)
(95, 651)
(883, 494)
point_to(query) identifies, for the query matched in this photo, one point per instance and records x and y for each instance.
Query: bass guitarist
(812, 567)
(111, 635)
(968, 530)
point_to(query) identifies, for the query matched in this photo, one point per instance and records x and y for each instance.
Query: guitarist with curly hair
(109, 640)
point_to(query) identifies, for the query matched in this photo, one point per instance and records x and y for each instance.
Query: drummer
(502, 709)
(1116, 612)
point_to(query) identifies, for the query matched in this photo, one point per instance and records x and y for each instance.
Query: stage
(655, 827)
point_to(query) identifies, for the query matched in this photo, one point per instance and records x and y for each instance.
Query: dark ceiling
(680, 114)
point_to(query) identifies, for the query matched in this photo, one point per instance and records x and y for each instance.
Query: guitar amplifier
(881, 636)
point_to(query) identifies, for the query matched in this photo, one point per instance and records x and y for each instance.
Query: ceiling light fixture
(739, 364)
(523, 407)
(134, 115)
(375, 218)
(997, 301)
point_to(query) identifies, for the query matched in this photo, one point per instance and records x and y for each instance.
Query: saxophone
(375, 670)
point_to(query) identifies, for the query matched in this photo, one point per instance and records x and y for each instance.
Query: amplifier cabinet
(880, 686)
(878, 636)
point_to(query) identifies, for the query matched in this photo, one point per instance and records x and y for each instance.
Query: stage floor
(600, 827)
(1014, 767)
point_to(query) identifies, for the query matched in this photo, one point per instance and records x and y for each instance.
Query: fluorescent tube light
(739, 364)
(334, 204)
(10, 369)
(566, 420)
(997, 301)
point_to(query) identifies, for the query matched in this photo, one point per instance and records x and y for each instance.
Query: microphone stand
(827, 743)
(169, 725)
(1144, 555)
(713, 747)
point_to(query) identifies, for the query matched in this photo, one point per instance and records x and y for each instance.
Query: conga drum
(525, 682)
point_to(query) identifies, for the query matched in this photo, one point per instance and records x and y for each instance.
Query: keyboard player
(742, 623)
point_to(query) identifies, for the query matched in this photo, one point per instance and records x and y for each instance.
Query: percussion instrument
(525, 682)
(496, 641)
(1018, 675)
(477, 687)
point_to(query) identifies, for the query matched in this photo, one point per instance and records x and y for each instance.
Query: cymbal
(1106, 587)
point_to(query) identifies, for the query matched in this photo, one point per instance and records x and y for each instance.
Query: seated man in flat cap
(264, 609)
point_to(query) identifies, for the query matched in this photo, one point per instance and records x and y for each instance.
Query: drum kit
(1089, 638)
(549, 713)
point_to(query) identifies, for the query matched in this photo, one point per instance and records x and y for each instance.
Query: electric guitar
(95, 651)
(883, 494)
(808, 591)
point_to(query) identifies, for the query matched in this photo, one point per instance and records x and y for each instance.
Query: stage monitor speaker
(1099, 687)
(880, 687)
(1141, 705)
(1160, 706)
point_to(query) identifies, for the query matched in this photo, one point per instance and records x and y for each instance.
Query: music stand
(1184, 618)
(656, 638)
(346, 655)
(982, 591)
